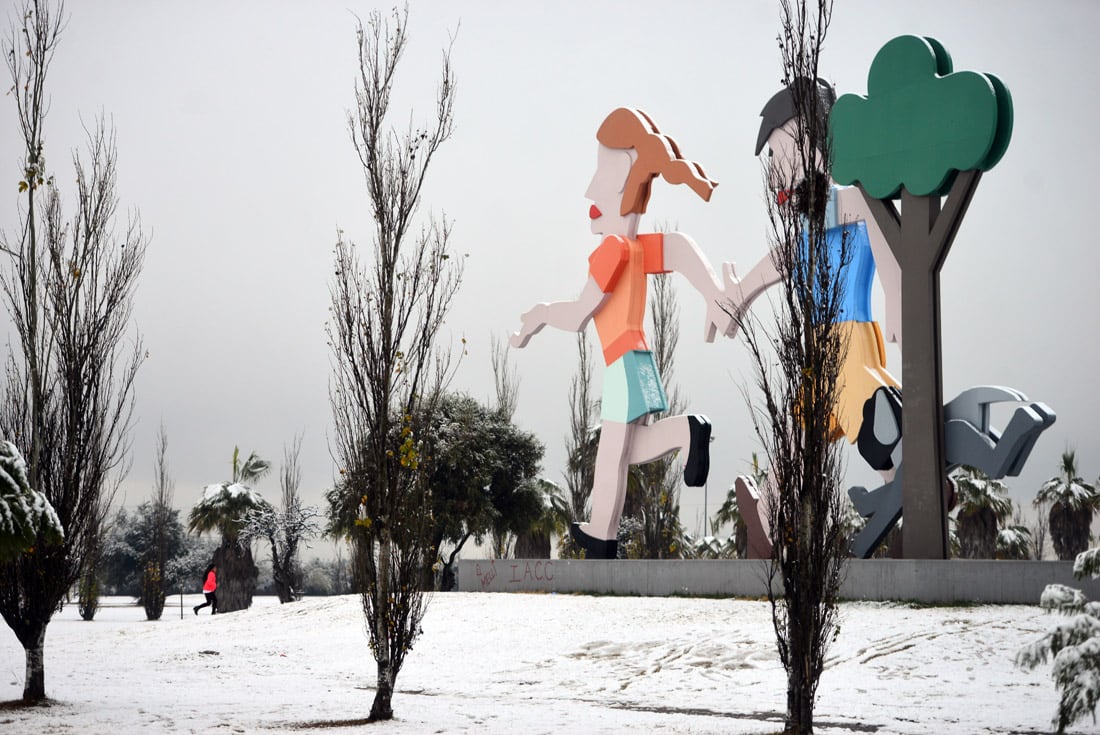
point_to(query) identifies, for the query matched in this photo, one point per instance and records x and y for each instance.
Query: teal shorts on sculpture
(632, 388)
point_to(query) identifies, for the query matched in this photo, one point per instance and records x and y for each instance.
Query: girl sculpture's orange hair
(658, 154)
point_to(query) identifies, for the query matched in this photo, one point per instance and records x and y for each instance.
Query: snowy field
(501, 663)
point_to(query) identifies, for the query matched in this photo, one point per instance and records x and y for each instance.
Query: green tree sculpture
(922, 132)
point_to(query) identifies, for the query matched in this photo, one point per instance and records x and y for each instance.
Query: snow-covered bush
(23, 510)
(1074, 644)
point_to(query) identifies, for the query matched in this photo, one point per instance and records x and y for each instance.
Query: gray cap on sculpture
(780, 109)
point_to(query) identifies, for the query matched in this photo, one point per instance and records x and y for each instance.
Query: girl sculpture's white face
(785, 166)
(606, 193)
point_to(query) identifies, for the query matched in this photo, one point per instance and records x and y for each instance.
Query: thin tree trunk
(447, 580)
(34, 687)
(281, 573)
(800, 716)
(283, 590)
(382, 708)
(280, 576)
(152, 591)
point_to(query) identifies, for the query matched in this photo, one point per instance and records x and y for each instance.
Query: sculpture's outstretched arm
(742, 292)
(682, 255)
(569, 316)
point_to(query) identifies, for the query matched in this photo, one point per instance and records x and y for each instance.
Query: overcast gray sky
(231, 124)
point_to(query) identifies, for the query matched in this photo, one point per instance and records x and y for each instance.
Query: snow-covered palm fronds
(711, 547)
(982, 506)
(977, 490)
(251, 469)
(223, 506)
(1072, 503)
(1014, 542)
(24, 512)
(1087, 562)
(1068, 489)
(1073, 643)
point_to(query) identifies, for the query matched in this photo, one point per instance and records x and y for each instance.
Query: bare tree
(87, 593)
(505, 380)
(1040, 529)
(506, 384)
(68, 386)
(153, 575)
(284, 529)
(389, 375)
(798, 384)
(656, 504)
(583, 440)
(534, 541)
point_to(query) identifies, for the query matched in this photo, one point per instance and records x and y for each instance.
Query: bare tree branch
(798, 383)
(388, 373)
(69, 377)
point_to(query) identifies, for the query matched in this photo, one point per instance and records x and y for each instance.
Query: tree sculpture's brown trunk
(920, 237)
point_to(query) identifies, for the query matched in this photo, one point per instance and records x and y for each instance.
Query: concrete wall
(984, 581)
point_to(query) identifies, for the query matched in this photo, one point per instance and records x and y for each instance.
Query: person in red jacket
(209, 588)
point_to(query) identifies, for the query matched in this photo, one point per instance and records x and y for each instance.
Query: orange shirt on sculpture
(620, 266)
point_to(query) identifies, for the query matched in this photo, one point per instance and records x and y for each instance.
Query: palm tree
(252, 469)
(534, 543)
(982, 507)
(1073, 502)
(728, 513)
(222, 508)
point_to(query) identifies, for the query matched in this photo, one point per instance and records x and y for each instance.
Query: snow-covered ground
(515, 663)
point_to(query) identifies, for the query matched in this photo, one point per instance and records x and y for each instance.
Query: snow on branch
(24, 512)
(294, 522)
(1074, 644)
